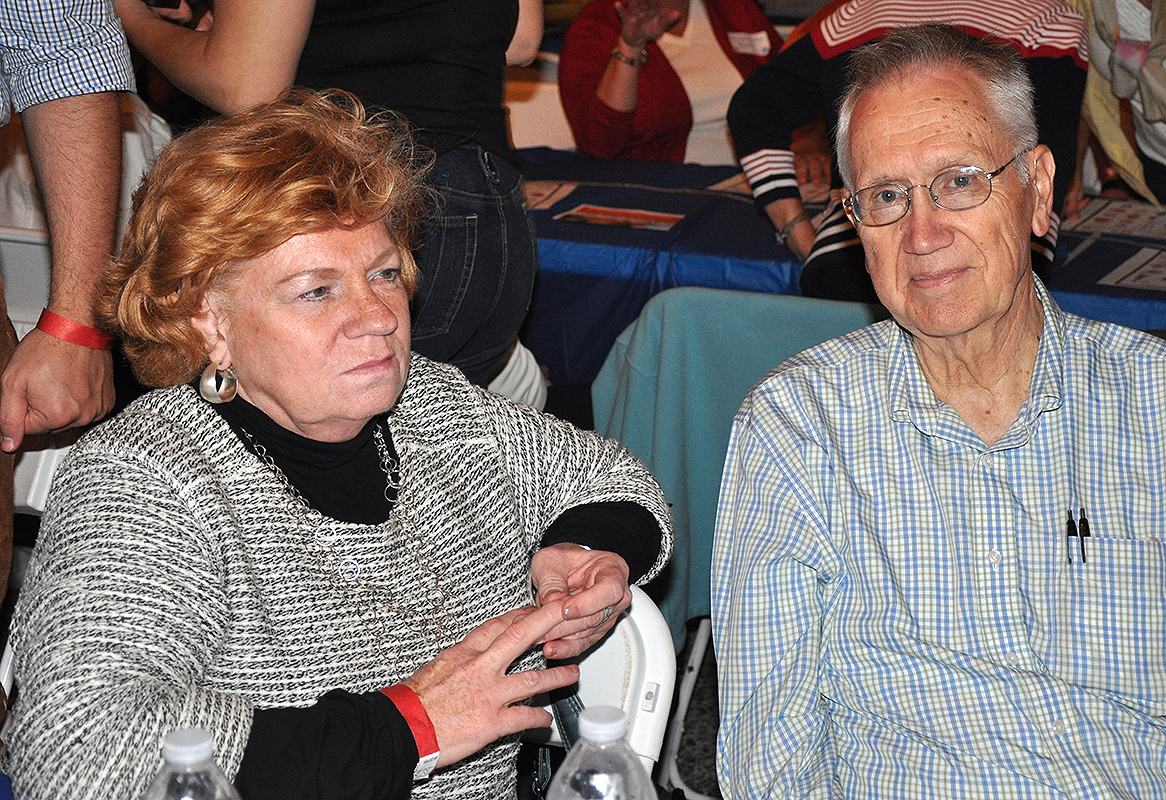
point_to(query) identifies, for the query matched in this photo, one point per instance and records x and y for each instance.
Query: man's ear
(1042, 167)
(210, 322)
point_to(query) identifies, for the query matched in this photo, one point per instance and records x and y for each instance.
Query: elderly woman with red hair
(310, 542)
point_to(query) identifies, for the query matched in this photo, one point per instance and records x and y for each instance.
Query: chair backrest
(7, 668)
(36, 463)
(633, 668)
(670, 388)
(24, 264)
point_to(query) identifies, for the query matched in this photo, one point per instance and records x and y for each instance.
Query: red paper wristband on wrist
(409, 704)
(73, 332)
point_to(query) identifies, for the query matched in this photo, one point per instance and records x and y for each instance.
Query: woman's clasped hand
(591, 585)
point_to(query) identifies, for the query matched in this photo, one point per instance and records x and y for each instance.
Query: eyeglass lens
(956, 189)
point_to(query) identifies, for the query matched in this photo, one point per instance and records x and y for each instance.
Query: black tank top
(440, 63)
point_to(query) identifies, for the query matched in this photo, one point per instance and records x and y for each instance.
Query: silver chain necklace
(378, 605)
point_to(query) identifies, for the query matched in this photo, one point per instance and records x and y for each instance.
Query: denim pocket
(446, 263)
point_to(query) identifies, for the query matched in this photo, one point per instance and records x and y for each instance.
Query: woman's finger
(607, 588)
(466, 689)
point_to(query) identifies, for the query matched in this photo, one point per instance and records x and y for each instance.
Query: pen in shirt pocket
(1078, 530)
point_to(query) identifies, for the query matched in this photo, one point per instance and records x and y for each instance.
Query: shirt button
(1059, 727)
(1013, 659)
(987, 460)
(994, 556)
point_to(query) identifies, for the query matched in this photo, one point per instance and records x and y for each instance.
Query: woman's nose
(374, 314)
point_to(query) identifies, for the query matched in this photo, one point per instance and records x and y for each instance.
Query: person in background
(939, 567)
(803, 85)
(440, 64)
(322, 549)
(1125, 94)
(62, 67)
(651, 79)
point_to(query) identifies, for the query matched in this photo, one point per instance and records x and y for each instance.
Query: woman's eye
(391, 275)
(319, 293)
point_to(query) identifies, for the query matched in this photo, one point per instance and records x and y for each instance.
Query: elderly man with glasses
(939, 567)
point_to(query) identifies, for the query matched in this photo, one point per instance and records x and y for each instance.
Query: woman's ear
(211, 323)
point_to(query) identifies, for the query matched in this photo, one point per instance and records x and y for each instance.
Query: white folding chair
(633, 668)
(24, 263)
(7, 670)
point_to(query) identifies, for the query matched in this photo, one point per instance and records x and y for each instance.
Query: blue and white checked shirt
(894, 612)
(51, 49)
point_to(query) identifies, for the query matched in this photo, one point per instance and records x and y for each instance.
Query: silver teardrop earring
(218, 386)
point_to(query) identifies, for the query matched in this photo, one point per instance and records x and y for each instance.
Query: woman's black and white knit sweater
(173, 585)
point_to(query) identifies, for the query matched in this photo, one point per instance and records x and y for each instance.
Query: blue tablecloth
(1083, 259)
(594, 279)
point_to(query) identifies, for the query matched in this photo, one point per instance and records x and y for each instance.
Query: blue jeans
(478, 258)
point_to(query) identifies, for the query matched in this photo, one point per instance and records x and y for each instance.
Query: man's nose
(926, 223)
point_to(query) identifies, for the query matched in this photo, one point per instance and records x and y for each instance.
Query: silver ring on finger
(607, 613)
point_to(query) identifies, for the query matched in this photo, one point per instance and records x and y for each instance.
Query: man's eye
(960, 181)
(391, 275)
(887, 197)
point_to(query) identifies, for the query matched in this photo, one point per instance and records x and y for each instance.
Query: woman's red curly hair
(238, 187)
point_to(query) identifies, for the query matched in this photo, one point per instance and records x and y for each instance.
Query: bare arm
(248, 56)
(75, 147)
(1075, 199)
(643, 21)
(528, 36)
(801, 238)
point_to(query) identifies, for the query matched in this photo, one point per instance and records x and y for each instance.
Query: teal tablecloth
(669, 390)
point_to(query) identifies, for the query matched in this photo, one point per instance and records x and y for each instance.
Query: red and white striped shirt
(1036, 28)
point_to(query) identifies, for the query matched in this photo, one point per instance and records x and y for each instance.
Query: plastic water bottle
(190, 772)
(601, 765)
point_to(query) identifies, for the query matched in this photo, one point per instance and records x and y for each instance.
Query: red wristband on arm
(73, 332)
(409, 704)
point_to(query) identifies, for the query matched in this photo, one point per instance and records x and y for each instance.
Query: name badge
(752, 44)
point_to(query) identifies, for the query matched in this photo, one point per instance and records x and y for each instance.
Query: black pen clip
(1084, 533)
(1070, 533)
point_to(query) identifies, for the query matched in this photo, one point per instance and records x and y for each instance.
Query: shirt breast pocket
(1110, 621)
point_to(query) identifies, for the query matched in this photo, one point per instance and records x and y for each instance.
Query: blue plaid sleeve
(50, 49)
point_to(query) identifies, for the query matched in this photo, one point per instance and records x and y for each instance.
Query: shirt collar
(913, 401)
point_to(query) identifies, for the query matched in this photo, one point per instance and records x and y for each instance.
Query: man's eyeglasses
(955, 189)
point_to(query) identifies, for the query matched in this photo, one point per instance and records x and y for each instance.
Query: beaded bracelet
(637, 60)
(73, 332)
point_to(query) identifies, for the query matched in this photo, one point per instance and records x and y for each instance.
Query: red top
(657, 130)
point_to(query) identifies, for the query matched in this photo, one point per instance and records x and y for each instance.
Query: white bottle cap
(603, 723)
(187, 746)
